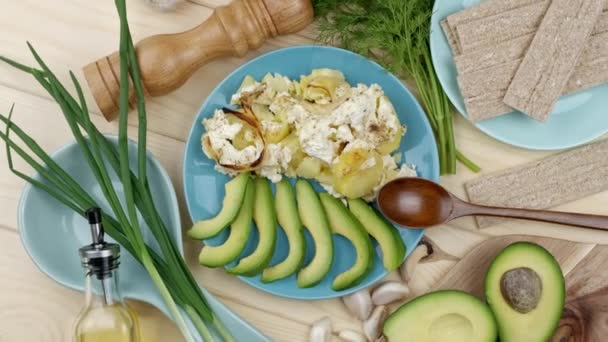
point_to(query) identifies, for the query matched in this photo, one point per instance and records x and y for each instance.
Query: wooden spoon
(420, 203)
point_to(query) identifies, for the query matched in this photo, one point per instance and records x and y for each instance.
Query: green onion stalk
(396, 34)
(167, 269)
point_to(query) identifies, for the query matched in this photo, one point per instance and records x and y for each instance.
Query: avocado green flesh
(387, 236)
(540, 323)
(289, 220)
(235, 192)
(265, 219)
(447, 315)
(342, 222)
(215, 256)
(314, 219)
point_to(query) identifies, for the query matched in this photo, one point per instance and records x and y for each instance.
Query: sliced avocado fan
(387, 236)
(240, 229)
(235, 192)
(314, 219)
(289, 220)
(342, 222)
(265, 219)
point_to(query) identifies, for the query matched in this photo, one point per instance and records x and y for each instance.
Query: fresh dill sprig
(396, 34)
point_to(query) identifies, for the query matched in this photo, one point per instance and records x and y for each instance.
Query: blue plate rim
(490, 133)
(435, 155)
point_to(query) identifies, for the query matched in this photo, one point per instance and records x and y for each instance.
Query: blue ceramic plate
(204, 187)
(52, 233)
(575, 120)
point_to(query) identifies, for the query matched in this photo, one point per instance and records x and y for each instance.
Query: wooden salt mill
(168, 60)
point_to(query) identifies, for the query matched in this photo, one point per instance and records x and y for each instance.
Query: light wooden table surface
(71, 33)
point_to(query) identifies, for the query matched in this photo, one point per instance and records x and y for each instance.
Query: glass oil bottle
(105, 317)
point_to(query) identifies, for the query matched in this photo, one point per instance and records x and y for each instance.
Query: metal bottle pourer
(100, 258)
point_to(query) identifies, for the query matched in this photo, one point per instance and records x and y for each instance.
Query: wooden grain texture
(75, 32)
(552, 56)
(468, 274)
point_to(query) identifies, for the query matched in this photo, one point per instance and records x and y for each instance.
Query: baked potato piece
(360, 182)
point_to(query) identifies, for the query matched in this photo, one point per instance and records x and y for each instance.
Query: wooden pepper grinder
(168, 60)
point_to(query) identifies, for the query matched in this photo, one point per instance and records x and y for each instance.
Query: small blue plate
(52, 233)
(575, 120)
(204, 187)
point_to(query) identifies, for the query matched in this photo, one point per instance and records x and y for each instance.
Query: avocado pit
(521, 288)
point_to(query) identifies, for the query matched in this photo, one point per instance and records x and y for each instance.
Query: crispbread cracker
(451, 38)
(484, 95)
(485, 57)
(552, 56)
(543, 184)
(485, 9)
(481, 10)
(500, 27)
(501, 53)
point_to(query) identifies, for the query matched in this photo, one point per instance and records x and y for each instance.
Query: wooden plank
(468, 274)
(552, 56)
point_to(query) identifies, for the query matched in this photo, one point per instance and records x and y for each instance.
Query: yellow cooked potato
(310, 167)
(247, 81)
(293, 143)
(362, 182)
(390, 146)
(326, 177)
(246, 135)
(273, 129)
(349, 162)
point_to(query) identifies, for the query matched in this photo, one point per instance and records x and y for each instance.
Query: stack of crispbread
(524, 54)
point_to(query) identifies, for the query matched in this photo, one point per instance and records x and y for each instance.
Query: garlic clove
(372, 327)
(359, 304)
(389, 292)
(435, 253)
(349, 335)
(409, 266)
(320, 331)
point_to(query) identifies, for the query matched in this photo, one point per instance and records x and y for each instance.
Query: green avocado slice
(447, 315)
(387, 236)
(314, 219)
(525, 288)
(240, 229)
(235, 192)
(265, 219)
(289, 220)
(342, 222)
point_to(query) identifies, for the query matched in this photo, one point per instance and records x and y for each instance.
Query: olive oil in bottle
(105, 316)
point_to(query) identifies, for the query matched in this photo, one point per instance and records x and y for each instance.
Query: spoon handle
(600, 222)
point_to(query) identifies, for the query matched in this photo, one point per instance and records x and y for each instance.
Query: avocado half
(446, 315)
(525, 288)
